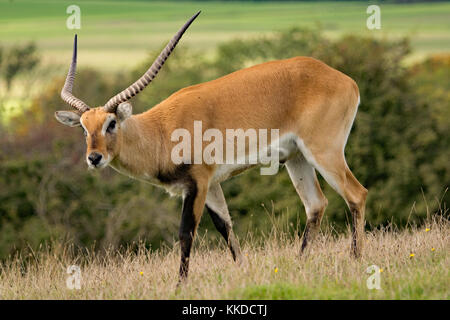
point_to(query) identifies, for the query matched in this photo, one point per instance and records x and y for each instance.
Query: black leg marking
(180, 173)
(225, 230)
(305, 238)
(220, 223)
(311, 229)
(187, 229)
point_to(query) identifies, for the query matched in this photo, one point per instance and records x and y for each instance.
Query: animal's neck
(141, 147)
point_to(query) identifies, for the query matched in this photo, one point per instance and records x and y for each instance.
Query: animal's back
(280, 90)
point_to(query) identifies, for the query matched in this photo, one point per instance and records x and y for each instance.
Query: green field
(117, 34)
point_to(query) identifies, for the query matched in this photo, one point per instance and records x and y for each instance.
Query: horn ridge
(66, 92)
(151, 73)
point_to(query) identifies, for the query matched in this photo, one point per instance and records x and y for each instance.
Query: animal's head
(102, 130)
(102, 125)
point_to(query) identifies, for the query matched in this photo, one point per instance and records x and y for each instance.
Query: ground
(412, 264)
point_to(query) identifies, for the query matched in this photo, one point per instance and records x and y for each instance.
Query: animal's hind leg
(355, 195)
(334, 169)
(305, 181)
(218, 210)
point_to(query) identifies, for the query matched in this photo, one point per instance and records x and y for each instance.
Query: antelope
(312, 105)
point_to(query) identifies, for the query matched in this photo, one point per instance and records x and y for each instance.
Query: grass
(118, 34)
(273, 269)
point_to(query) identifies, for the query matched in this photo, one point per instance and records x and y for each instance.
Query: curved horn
(66, 92)
(151, 73)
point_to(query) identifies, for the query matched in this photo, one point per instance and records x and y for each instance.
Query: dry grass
(272, 270)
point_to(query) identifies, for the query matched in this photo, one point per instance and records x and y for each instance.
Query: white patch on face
(82, 125)
(109, 118)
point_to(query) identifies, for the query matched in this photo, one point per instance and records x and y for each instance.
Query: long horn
(66, 92)
(151, 73)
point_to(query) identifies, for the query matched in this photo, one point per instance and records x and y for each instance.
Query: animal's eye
(111, 126)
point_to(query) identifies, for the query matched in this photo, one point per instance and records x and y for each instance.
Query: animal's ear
(124, 111)
(68, 118)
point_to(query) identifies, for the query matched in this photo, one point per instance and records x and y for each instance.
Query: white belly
(285, 147)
